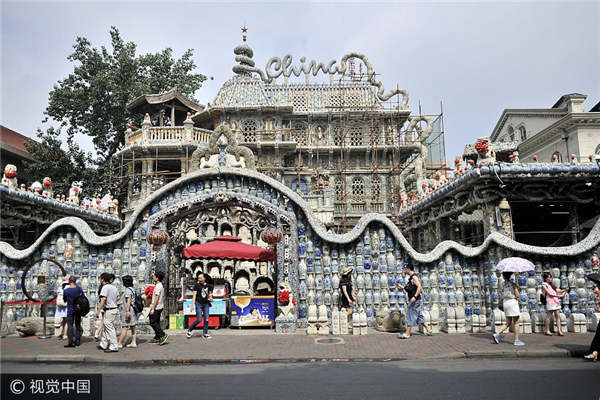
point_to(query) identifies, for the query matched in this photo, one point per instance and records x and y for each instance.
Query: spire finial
(244, 31)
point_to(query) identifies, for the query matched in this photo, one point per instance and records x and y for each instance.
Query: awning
(229, 248)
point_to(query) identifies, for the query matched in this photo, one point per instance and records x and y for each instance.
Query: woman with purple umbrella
(510, 294)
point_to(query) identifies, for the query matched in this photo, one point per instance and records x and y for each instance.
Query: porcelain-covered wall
(309, 258)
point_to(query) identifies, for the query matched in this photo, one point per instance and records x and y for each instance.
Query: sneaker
(403, 336)
(189, 334)
(496, 338)
(519, 343)
(163, 340)
(153, 341)
(207, 336)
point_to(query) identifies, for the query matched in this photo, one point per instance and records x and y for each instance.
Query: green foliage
(91, 101)
(63, 166)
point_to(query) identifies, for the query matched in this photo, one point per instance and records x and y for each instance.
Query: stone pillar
(573, 223)
(506, 226)
(489, 219)
(146, 124)
(188, 127)
(148, 175)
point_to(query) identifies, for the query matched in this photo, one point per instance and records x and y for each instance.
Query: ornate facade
(267, 155)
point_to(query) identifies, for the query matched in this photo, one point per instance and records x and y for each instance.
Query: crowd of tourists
(127, 308)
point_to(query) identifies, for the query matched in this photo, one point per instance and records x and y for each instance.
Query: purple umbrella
(515, 264)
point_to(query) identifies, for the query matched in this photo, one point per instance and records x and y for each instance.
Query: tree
(91, 100)
(63, 166)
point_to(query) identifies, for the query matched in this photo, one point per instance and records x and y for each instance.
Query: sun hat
(347, 270)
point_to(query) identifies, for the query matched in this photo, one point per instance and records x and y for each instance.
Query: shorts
(511, 308)
(413, 314)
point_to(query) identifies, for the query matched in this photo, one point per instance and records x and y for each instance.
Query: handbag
(60, 301)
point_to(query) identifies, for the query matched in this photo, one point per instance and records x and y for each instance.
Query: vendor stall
(251, 301)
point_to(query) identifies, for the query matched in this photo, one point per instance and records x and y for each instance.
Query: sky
(474, 58)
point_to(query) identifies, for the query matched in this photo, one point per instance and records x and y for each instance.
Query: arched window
(302, 188)
(376, 186)
(557, 156)
(511, 133)
(249, 130)
(523, 133)
(339, 190)
(358, 186)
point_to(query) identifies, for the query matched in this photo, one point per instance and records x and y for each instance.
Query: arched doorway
(242, 214)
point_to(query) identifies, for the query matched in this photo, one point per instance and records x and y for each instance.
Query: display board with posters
(217, 307)
(252, 311)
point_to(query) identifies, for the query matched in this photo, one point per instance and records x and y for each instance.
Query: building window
(299, 133)
(557, 157)
(356, 135)
(358, 186)
(511, 134)
(339, 189)
(338, 137)
(376, 187)
(249, 130)
(523, 133)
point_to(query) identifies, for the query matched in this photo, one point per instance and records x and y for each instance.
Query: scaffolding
(367, 140)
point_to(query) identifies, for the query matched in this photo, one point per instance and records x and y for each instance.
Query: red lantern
(157, 238)
(271, 235)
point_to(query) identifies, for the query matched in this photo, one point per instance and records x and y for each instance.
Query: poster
(218, 307)
(252, 310)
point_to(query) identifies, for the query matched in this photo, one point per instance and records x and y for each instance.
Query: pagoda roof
(152, 103)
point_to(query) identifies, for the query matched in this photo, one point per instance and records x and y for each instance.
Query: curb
(475, 354)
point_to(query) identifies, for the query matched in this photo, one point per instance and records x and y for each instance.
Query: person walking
(510, 294)
(202, 298)
(61, 310)
(414, 316)
(156, 308)
(128, 315)
(346, 293)
(99, 322)
(553, 296)
(595, 346)
(73, 318)
(108, 302)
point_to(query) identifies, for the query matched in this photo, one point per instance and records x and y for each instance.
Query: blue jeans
(413, 314)
(201, 309)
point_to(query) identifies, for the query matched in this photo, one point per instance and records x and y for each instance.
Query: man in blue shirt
(73, 318)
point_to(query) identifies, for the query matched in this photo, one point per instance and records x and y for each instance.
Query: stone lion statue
(391, 321)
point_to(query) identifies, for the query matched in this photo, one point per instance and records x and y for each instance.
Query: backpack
(410, 288)
(138, 303)
(82, 304)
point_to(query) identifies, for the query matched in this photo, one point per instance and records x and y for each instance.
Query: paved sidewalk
(231, 346)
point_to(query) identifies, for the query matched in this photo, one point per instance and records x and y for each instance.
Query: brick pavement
(224, 347)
